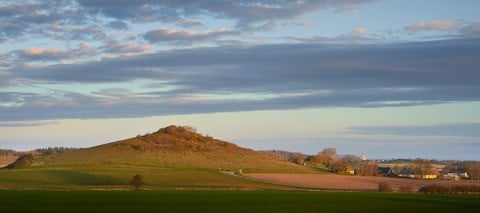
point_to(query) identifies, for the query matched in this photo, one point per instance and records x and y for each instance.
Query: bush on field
(384, 187)
(459, 189)
(405, 189)
(137, 181)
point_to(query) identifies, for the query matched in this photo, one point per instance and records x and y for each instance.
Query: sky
(384, 78)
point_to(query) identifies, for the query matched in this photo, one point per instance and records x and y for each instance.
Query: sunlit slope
(173, 147)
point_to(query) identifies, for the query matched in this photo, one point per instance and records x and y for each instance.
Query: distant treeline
(55, 150)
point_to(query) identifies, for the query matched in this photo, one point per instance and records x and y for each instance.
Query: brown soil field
(344, 182)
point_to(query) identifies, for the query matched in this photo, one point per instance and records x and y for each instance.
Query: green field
(117, 177)
(230, 201)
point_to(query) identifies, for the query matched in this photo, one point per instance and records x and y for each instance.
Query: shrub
(384, 187)
(459, 189)
(433, 189)
(137, 181)
(405, 189)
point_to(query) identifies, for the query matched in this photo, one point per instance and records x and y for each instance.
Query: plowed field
(343, 182)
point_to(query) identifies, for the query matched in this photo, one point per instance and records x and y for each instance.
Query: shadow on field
(82, 178)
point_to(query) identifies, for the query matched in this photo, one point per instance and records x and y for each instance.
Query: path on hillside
(263, 181)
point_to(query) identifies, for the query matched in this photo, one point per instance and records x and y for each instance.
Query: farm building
(408, 172)
(386, 171)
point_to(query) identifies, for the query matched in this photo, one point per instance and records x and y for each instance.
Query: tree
(384, 187)
(137, 181)
(327, 156)
(328, 152)
(299, 159)
(351, 158)
(339, 166)
(190, 129)
(473, 170)
(368, 169)
(423, 167)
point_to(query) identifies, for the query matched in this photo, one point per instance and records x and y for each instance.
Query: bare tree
(423, 167)
(473, 170)
(329, 152)
(368, 169)
(327, 156)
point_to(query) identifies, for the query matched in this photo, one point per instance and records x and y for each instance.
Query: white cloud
(435, 25)
(358, 32)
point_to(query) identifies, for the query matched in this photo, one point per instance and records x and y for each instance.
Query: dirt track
(342, 182)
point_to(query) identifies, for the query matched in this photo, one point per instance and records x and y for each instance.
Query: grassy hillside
(176, 147)
(173, 157)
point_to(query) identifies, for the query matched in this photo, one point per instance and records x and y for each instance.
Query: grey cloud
(26, 123)
(243, 11)
(168, 35)
(449, 129)
(188, 22)
(20, 18)
(281, 76)
(113, 46)
(118, 25)
(421, 64)
(472, 29)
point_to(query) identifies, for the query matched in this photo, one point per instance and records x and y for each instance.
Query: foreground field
(117, 177)
(343, 182)
(230, 201)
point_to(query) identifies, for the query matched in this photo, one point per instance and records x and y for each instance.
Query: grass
(230, 201)
(87, 177)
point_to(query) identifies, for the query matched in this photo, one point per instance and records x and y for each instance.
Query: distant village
(329, 161)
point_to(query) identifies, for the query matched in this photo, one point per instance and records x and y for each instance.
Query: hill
(175, 146)
(172, 157)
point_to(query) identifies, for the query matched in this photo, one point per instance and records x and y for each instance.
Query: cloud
(358, 32)
(188, 22)
(472, 29)
(82, 33)
(245, 12)
(18, 18)
(435, 25)
(169, 35)
(53, 54)
(42, 54)
(114, 47)
(449, 129)
(278, 76)
(26, 123)
(117, 25)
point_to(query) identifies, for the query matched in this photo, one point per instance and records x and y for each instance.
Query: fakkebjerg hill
(172, 146)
